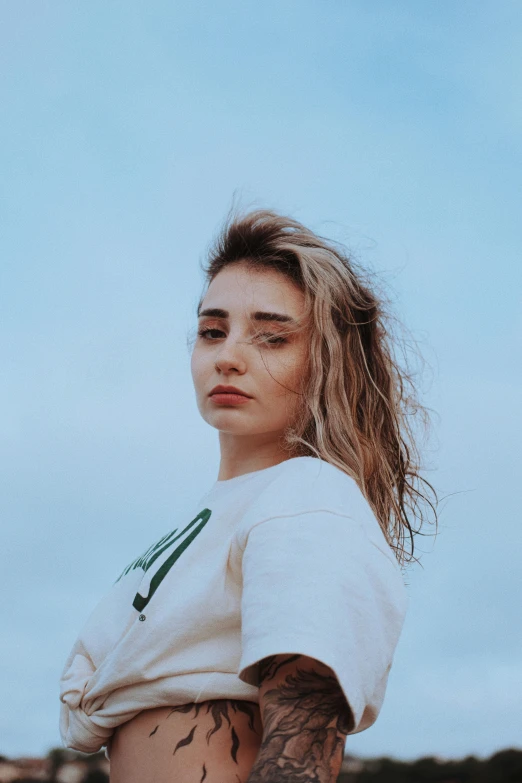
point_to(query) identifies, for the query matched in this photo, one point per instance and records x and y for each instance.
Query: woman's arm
(305, 719)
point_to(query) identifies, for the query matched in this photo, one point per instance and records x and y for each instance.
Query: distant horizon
(347, 756)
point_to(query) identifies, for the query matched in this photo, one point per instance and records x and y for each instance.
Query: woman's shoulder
(308, 485)
(304, 484)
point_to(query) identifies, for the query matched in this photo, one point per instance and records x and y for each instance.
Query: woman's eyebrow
(259, 315)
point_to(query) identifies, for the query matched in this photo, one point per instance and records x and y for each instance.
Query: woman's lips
(228, 398)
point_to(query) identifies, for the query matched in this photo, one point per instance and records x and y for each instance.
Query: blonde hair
(356, 400)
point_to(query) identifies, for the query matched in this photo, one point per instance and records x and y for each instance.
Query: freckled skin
(234, 353)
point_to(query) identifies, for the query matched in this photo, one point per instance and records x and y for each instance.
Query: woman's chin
(233, 425)
(230, 422)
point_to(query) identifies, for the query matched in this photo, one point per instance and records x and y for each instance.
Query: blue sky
(127, 127)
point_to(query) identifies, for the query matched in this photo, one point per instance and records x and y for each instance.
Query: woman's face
(238, 309)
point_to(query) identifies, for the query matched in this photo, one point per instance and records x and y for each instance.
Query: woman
(252, 639)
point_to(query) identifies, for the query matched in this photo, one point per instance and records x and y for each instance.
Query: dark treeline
(502, 767)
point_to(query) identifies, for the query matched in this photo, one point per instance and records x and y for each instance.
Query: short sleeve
(316, 584)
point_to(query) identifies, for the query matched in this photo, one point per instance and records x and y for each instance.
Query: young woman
(253, 638)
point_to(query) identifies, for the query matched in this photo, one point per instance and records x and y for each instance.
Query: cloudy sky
(394, 127)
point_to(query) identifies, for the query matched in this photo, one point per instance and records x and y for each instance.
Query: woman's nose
(231, 356)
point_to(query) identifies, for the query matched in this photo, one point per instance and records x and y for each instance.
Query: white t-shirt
(288, 559)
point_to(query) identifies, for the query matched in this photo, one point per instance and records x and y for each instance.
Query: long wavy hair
(357, 401)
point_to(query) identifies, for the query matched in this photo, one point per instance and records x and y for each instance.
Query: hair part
(357, 401)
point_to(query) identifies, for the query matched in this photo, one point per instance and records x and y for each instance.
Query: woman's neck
(241, 454)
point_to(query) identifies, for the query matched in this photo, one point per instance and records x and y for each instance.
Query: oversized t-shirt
(287, 559)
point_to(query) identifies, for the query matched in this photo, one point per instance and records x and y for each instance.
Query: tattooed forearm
(305, 722)
(269, 667)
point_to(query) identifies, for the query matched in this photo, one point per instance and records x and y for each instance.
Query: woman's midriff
(211, 741)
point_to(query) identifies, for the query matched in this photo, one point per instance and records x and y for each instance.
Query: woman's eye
(210, 335)
(273, 339)
(203, 333)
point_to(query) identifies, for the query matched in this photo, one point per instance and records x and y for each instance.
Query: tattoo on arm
(305, 719)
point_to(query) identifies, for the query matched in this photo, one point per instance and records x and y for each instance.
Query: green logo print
(148, 558)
